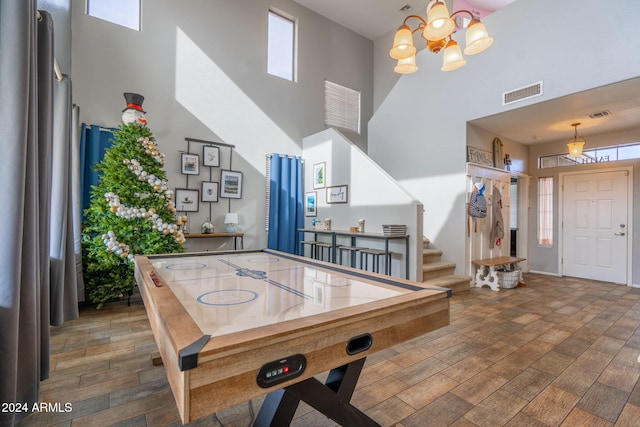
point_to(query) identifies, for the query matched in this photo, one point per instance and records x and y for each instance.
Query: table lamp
(231, 220)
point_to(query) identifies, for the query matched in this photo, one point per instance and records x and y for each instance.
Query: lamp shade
(403, 44)
(406, 65)
(231, 218)
(477, 38)
(439, 23)
(575, 148)
(452, 59)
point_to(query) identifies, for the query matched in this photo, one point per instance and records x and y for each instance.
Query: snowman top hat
(134, 101)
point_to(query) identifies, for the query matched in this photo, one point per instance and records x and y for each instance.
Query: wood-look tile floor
(558, 352)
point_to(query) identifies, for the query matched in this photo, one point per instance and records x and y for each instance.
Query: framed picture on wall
(210, 191)
(310, 208)
(231, 184)
(338, 194)
(187, 200)
(211, 156)
(319, 172)
(190, 164)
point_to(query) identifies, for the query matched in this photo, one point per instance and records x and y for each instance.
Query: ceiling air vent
(599, 114)
(522, 93)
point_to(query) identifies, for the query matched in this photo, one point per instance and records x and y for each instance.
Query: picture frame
(211, 156)
(310, 203)
(209, 191)
(187, 200)
(319, 175)
(338, 194)
(190, 164)
(231, 184)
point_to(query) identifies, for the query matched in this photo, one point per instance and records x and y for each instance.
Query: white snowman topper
(133, 113)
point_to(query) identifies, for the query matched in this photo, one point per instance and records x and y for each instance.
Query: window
(281, 39)
(545, 211)
(594, 155)
(341, 107)
(121, 12)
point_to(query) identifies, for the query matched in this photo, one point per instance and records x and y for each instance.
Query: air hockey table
(233, 326)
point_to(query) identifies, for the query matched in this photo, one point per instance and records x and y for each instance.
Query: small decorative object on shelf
(394, 230)
(207, 227)
(231, 220)
(361, 225)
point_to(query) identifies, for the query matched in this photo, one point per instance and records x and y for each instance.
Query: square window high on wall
(121, 12)
(281, 46)
(341, 107)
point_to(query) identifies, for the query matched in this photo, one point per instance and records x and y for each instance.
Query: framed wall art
(319, 172)
(338, 194)
(190, 164)
(187, 200)
(210, 156)
(231, 184)
(310, 207)
(210, 191)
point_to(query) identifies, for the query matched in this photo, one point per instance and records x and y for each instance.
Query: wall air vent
(522, 93)
(599, 114)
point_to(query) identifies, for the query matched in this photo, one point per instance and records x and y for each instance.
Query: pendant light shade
(576, 142)
(452, 57)
(575, 148)
(406, 65)
(477, 38)
(403, 44)
(439, 23)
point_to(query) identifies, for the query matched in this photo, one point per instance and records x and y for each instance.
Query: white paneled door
(594, 226)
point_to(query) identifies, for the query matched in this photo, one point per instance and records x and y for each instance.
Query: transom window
(121, 12)
(595, 155)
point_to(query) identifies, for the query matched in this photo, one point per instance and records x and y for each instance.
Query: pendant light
(576, 142)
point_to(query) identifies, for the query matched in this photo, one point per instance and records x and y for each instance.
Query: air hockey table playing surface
(228, 323)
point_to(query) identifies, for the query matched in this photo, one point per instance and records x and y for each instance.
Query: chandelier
(576, 142)
(436, 30)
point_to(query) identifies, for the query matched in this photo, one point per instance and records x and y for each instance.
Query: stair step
(431, 255)
(457, 283)
(434, 270)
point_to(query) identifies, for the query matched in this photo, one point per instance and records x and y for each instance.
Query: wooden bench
(490, 277)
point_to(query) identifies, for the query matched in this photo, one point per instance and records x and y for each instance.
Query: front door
(594, 225)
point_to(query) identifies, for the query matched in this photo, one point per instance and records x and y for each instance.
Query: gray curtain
(76, 199)
(64, 301)
(26, 85)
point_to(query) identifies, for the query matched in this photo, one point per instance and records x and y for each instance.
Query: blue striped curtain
(285, 207)
(94, 140)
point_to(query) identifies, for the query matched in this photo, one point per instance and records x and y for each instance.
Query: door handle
(619, 234)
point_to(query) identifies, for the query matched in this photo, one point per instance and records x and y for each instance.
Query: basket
(508, 279)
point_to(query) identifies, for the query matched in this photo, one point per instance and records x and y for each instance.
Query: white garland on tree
(159, 186)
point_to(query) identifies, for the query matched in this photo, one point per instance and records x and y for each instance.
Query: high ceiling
(542, 122)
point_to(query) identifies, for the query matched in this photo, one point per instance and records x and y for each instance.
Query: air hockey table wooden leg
(331, 399)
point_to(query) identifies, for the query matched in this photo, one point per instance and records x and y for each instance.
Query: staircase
(438, 273)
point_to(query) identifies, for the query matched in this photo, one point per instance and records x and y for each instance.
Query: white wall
(372, 195)
(418, 133)
(201, 65)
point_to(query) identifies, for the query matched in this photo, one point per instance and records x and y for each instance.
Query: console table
(355, 236)
(490, 278)
(235, 237)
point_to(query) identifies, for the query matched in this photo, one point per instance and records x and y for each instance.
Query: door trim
(629, 227)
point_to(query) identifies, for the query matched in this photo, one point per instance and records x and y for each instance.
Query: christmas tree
(131, 209)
